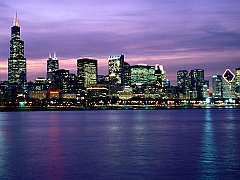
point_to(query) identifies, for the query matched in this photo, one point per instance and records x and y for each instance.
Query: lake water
(134, 144)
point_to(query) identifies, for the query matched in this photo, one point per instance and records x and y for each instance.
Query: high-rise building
(115, 68)
(17, 62)
(87, 72)
(142, 74)
(116, 73)
(126, 74)
(196, 78)
(52, 66)
(182, 81)
(160, 76)
(41, 84)
(238, 82)
(62, 80)
(217, 86)
(228, 84)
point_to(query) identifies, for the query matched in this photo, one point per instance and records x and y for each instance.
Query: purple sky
(179, 34)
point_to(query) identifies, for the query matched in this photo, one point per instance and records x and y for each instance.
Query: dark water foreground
(154, 144)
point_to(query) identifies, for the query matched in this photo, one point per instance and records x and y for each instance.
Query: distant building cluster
(123, 81)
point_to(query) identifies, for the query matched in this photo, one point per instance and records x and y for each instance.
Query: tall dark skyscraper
(62, 80)
(217, 86)
(86, 72)
(238, 82)
(16, 61)
(182, 81)
(197, 81)
(52, 66)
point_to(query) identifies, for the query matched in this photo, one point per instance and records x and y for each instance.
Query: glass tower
(142, 75)
(86, 72)
(238, 82)
(116, 73)
(182, 81)
(16, 61)
(217, 86)
(115, 68)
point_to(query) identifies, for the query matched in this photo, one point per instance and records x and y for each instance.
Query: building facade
(87, 72)
(182, 82)
(196, 80)
(142, 74)
(116, 74)
(217, 86)
(237, 82)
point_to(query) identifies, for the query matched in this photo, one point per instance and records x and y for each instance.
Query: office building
(17, 62)
(142, 74)
(182, 82)
(115, 68)
(87, 72)
(126, 74)
(52, 66)
(217, 86)
(116, 74)
(62, 80)
(228, 84)
(160, 76)
(238, 82)
(196, 80)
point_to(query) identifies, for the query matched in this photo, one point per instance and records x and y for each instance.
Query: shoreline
(105, 108)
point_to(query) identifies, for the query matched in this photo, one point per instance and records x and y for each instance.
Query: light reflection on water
(208, 149)
(190, 144)
(2, 145)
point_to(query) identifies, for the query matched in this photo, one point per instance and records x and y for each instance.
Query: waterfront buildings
(196, 80)
(52, 66)
(238, 82)
(17, 78)
(182, 83)
(87, 72)
(62, 80)
(217, 86)
(123, 80)
(142, 74)
(116, 73)
(228, 84)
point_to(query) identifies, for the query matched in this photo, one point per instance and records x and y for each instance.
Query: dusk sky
(179, 34)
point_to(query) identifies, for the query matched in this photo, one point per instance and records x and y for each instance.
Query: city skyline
(164, 34)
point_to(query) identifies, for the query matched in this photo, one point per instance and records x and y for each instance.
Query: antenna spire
(50, 55)
(16, 21)
(55, 55)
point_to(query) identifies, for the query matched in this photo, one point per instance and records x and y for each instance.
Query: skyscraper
(116, 73)
(62, 80)
(160, 76)
(238, 82)
(142, 74)
(87, 72)
(16, 62)
(182, 81)
(217, 86)
(115, 67)
(52, 66)
(228, 83)
(196, 78)
(126, 74)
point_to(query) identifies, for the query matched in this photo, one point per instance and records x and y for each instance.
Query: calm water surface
(158, 144)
